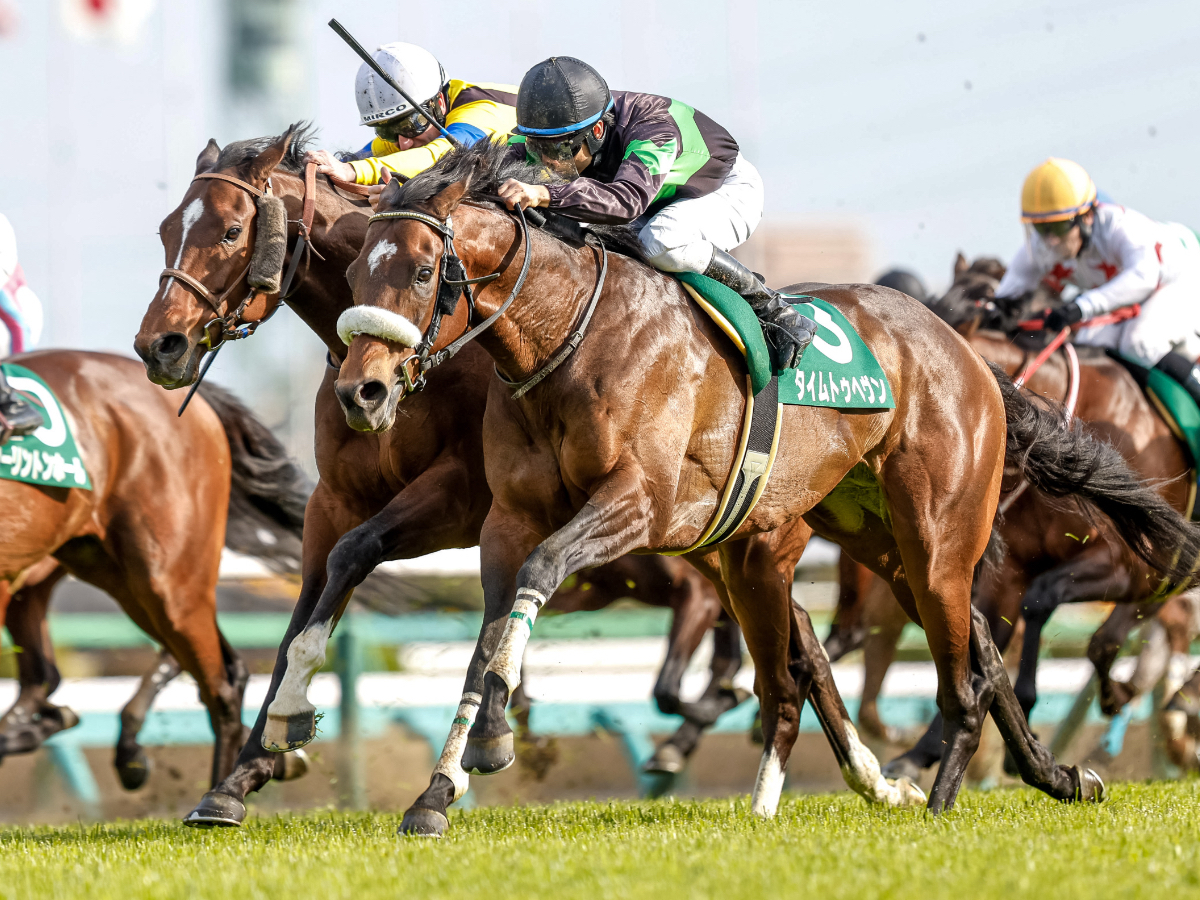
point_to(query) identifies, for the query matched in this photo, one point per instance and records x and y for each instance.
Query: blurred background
(887, 133)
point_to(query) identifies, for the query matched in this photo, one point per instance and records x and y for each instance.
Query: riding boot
(17, 416)
(787, 331)
(1182, 370)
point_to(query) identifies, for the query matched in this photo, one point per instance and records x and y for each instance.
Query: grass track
(1144, 842)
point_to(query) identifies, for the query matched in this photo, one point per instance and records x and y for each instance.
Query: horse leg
(33, 718)
(130, 760)
(860, 768)
(326, 519)
(1105, 645)
(504, 545)
(885, 620)
(425, 516)
(848, 629)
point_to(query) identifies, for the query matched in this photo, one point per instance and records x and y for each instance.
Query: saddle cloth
(838, 370)
(49, 456)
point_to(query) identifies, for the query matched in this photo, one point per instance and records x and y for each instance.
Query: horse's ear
(208, 156)
(960, 265)
(264, 164)
(443, 203)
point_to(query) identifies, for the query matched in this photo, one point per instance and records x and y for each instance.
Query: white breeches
(681, 236)
(1170, 320)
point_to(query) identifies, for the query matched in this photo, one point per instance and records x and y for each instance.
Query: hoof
(290, 766)
(909, 795)
(134, 772)
(1089, 787)
(901, 767)
(216, 809)
(667, 760)
(487, 756)
(283, 733)
(423, 823)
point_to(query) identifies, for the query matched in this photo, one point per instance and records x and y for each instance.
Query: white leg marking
(191, 216)
(450, 762)
(862, 774)
(507, 661)
(768, 786)
(304, 657)
(381, 251)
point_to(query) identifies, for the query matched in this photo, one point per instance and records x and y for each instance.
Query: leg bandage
(450, 762)
(507, 661)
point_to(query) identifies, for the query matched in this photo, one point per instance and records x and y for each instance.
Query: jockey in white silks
(20, 329)
(1118, 258)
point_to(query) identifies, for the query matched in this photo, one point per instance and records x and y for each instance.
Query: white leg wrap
(768, 786)
(863, 776)
(450, 762)
(507, 661)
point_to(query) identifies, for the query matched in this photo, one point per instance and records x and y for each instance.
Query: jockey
(20, 328)
(667, 168)
(405, 141)
(1118, 257)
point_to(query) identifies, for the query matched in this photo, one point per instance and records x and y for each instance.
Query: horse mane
(488, 165)
(239, 153)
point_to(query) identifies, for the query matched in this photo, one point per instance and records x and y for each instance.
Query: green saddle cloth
(1178, 407)
(837, 370)
(49, 456)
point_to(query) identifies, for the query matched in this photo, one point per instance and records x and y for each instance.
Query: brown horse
(1056, 553)
(149, 533)
(396, 495)
(627, 444)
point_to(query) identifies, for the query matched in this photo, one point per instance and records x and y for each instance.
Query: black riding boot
(16, 414)
(1181, 369)
(786, 330)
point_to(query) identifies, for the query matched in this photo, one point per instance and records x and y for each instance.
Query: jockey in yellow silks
(405, 142)
(1117, 258)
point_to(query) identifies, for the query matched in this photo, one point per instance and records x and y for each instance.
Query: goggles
(411, 126)
(1055, 229)
(556, 149)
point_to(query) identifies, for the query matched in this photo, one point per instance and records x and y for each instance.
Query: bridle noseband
(452, 284)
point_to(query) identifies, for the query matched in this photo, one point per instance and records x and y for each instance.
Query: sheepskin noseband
(380, 323)
(270, 245)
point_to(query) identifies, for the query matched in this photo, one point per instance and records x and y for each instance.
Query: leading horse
(627, 444)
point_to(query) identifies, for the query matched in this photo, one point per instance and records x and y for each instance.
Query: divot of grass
(1145, 841)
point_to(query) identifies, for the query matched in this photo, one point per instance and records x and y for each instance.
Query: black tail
(269, 491)
(1065, 461)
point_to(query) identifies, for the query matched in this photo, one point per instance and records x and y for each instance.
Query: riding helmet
(1058, 190)
(560, 96)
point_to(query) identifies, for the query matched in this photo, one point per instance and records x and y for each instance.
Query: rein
(449, 292)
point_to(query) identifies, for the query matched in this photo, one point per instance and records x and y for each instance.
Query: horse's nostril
(371, 393)
(169, 347)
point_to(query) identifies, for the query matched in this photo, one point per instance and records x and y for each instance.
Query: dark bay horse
(149, 534)
(1056, 553)
(627, 444)
(395, 495)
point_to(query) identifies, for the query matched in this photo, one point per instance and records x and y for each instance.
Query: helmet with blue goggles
(558, 102)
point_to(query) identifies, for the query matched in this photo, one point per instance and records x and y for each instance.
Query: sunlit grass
(1145, 841)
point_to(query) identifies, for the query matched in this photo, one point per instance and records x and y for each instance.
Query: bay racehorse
(394, 495)
(149, 534)
(626, 446)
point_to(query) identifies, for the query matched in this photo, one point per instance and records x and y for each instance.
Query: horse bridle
(452, 284)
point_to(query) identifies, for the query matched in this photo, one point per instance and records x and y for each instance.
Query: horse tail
(268, 492)
(1062, 461)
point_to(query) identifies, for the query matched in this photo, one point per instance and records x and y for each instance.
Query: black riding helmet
(558, 102)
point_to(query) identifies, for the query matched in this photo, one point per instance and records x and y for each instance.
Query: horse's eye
(232, 234)
(424, 274)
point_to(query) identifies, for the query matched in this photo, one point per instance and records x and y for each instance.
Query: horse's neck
(560, 282)
(321, 290)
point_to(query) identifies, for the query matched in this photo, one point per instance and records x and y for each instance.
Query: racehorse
(149, 533)
(1056, 553)
(625, 446)
(396, 495)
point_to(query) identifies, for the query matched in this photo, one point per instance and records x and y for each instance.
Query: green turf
(1010, 843)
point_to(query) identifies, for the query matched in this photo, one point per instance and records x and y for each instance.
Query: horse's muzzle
(167, 359)
(368, 404)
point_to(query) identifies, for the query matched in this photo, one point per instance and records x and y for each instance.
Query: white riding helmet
(414, 68)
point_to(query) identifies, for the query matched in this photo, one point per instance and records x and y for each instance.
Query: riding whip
(370, 61)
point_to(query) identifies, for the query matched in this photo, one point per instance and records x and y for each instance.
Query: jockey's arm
(1020, 278)
(1141, 270)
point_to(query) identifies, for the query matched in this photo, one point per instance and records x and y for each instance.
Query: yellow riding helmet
(1056, 190)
